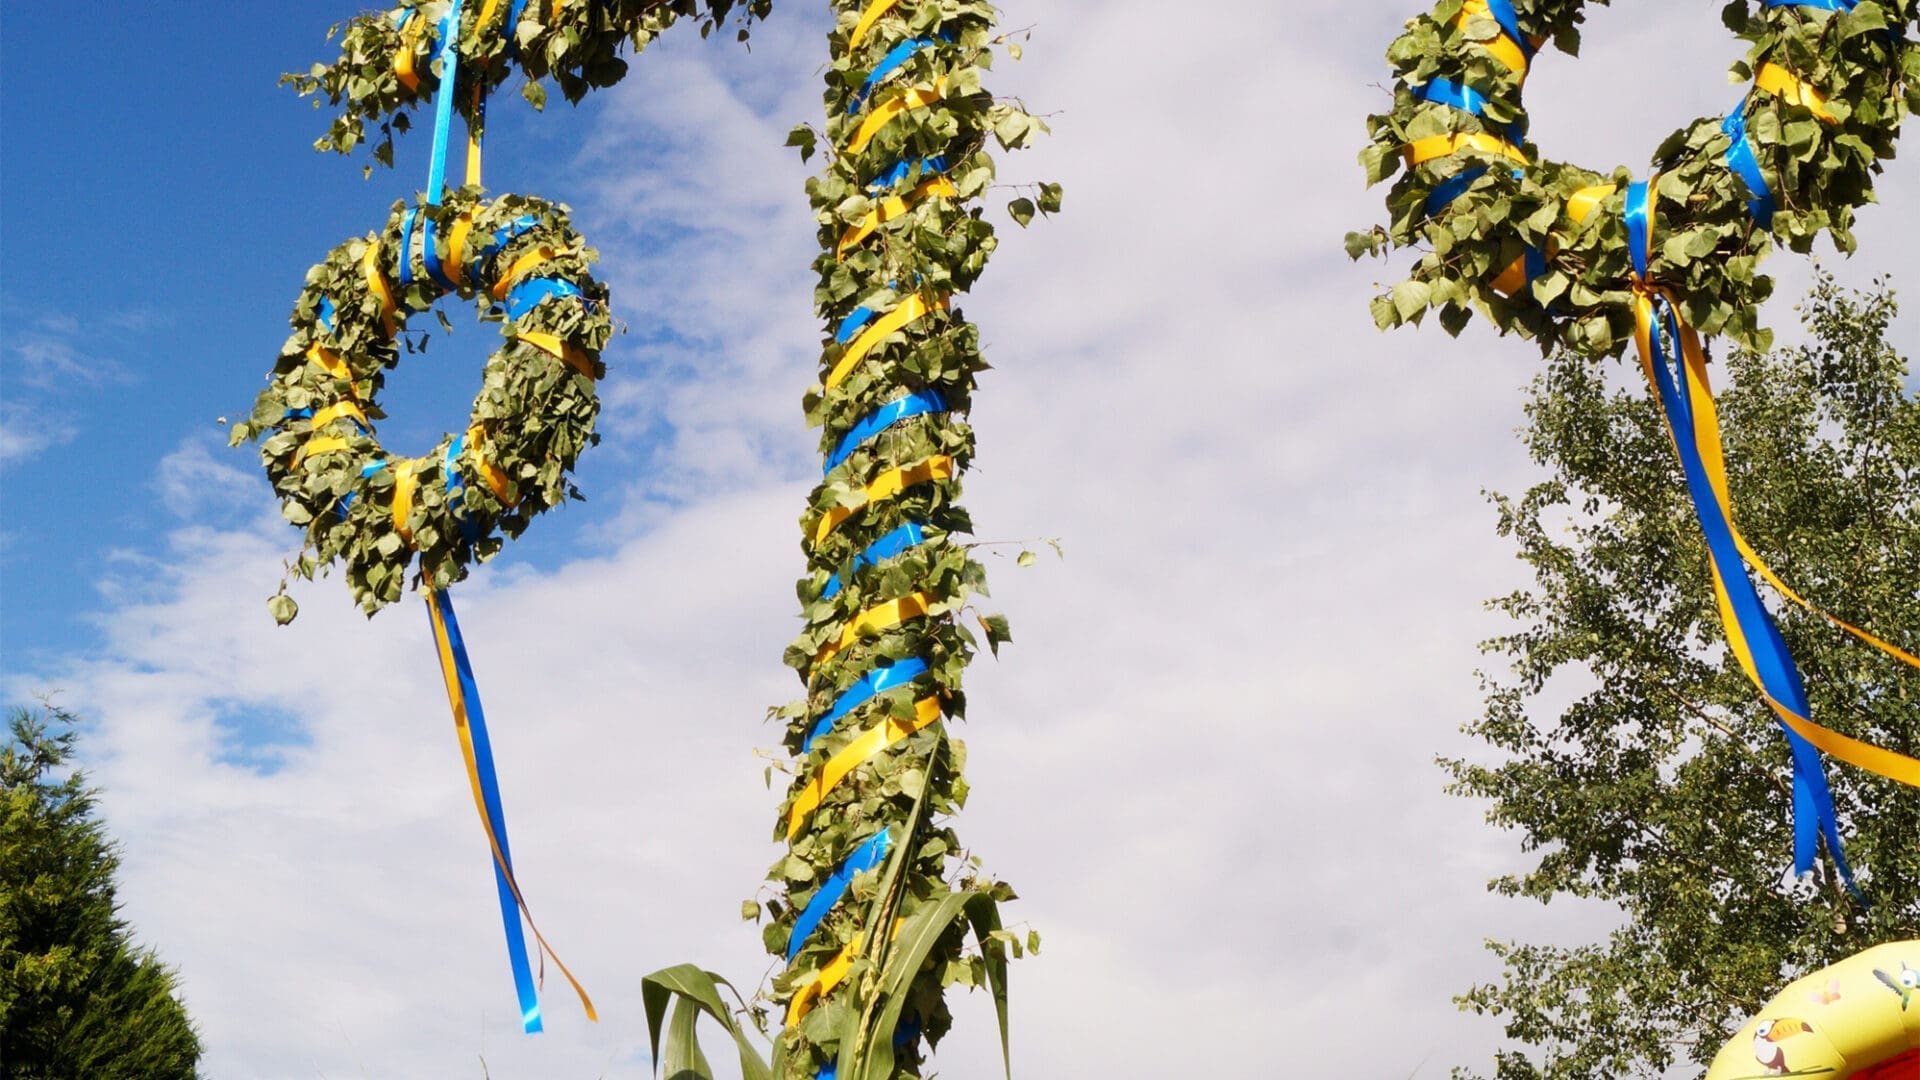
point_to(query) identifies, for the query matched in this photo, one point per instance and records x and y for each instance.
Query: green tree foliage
(77, 1000)
(1636, 762)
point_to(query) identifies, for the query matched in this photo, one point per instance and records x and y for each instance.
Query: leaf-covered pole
(875, 895)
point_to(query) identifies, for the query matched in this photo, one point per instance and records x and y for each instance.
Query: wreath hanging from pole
(521, 260)
(1570, 257)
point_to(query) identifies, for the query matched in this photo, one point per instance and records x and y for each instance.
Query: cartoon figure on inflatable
(1856, 1020)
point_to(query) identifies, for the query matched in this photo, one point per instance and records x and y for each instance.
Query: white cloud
(26, 431)
(1206, 762)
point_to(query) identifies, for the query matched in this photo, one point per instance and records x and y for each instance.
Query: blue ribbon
(307, 414)
(523, 984)
(912, 534)
(367, 472)
(443, 103)
(1823, 5)
(457, 489)
(905, 166)
(1639, 227)
(864, 858)
(1470, 101)
(889, 64)
(513, 23)
(916, 404)
(876, 682)
(430, 250)
(1536, 264)
(406, 246)
(1446, 191)
(1746, 166)
(851, 325)
(527, 295)
(1813, 813)
(327, 314)
(501, 238)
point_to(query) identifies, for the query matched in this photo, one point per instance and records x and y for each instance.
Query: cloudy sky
(1206, 762)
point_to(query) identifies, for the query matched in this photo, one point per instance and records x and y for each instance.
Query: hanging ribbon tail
(1676, 367)
(470, 721)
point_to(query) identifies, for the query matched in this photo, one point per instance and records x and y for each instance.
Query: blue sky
(1249, 481)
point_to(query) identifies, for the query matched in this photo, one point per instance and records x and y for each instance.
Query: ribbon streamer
(1667, 345)
(470, 721)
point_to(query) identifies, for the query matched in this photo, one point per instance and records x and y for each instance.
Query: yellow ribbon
(527, 261)
(490, 474)
(909, 310)
(887, 112)
(1512, 279)
(326, 444)
(457, 241)
(867, 19)
(458, 701)
(881, 617)
(404, 481)
(1504, 49)
(830, 975)
(330, 362)
(560, 350)
(370, 263)
(868, 745)
(337, 411)
(1580, 206)
(1706, 436)
(1421, 151)
(1789, 87)
(403, 56)
(885, 486)
(473, 134)
(889, 209)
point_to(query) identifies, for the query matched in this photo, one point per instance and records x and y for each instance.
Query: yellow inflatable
(1857, 1020)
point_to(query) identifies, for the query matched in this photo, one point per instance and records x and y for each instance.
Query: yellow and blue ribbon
(1676, 368)
(876, 682)
(470, 721)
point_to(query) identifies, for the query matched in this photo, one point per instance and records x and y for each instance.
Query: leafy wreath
(536, 408)
(1515, 237)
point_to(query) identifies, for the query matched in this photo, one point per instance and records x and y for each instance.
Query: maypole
(874, 899)
(872, 887)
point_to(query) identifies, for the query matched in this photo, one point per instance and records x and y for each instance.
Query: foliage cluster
(533, 415)
(1659, 787)
(77, 998)
(1707, 248)
(575, 43)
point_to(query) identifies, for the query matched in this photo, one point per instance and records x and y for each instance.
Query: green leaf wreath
(1819, 153)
